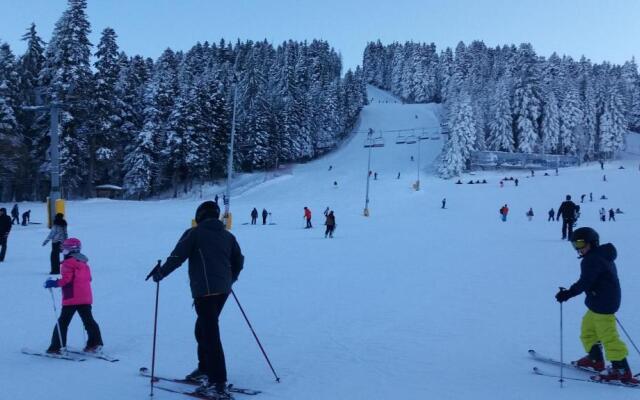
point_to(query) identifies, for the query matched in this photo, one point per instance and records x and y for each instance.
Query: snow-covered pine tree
(456, 151)
(612, 123)
(570, 120)
(107, 113)
(67, 76)
(501, 125)
(10, 135)
(550, 125)
(526, 102)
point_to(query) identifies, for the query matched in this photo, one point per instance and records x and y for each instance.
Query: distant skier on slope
(552, 214)
(265, 214)
(530, 214)
(76, 297)
(307, 217)
(331, 224)
(57, 236)
(567, 211)
(503, 213)
(599, 281)
(254, 216)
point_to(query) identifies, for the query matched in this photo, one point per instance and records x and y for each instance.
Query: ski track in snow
(413, 302)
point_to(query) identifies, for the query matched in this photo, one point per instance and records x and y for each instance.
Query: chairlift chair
(378, 142)
(401, 139)
(411, 139)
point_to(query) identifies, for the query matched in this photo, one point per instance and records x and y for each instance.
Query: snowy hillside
(414, 302)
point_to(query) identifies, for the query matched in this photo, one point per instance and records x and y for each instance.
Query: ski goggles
(579, 244)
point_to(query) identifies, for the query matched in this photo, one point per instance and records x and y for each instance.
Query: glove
(50, 283)
(155, 274)
(563, 295)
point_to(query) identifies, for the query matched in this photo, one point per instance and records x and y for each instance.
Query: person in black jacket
(568, 212)
(15, 215)
(599, 281)
(265, 214)
(254, 216)
(5, 228)
(215, 262)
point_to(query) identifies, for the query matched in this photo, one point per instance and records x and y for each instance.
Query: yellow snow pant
(602, 328)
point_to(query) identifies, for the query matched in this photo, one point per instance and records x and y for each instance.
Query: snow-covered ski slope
(414, 302)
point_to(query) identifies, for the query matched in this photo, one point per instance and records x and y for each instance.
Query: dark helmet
(568, 197)
(587, 235)
(206, 210)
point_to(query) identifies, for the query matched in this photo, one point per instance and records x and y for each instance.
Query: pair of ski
(548, 360)
(71, 355)
(191, 392)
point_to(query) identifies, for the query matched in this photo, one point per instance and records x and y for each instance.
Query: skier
(398, 175)
(516, 181)
(601, 164)
(604, 178)
(599, 281)
(26, 216)
(603, 214)
(590, 196)
(533, 173)
(15, 215)
(375, 176)
(76, 296)
(215, 262)
(603, 197)
(216, 199)
(503, 212)
(444, 203)
(254, 216)
(330, 167)
(619, 211)
(307, 217)
(57, 236)
(265, 213)
(551, 215)
(5, 228)
(582, 198)
(612, 215)
(530, 214)
(568, 212)
(501, 184)
(331, 224)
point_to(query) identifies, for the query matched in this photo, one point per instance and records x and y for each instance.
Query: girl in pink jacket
(76, 296)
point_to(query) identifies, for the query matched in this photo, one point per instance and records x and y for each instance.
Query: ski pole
(561, 347)
(255, 336)
(628, 337)
(155, 328)
(63, 348)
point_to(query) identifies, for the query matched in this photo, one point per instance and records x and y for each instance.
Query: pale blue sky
(599, 29)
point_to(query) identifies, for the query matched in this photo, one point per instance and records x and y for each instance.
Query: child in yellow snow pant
(602, 328)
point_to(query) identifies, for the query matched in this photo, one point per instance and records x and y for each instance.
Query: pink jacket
(75, 281)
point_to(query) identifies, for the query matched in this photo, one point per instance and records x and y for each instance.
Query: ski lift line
(380, 132)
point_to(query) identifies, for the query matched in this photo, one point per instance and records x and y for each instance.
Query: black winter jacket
(568, 210)
(5, 225)
(599, 280)
(215, 259)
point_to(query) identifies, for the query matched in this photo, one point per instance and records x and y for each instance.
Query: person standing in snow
(503, 213)
(57, 236)
(5, 228)
(530, 214)
(15, 215)
(551, 215)
(331, 224)
(76, 297)
(254, 216)
(516, 181)
(215, 262)
(568, 212)
(603, 214)
(307, 217)
(264, 216)
(599, 281)
(612, 215)
(444, 203)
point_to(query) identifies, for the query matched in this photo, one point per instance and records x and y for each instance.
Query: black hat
(206, 210)
(586, 234)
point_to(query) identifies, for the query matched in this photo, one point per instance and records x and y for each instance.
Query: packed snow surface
(413, 302)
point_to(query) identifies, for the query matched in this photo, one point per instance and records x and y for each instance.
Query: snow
(412, 302)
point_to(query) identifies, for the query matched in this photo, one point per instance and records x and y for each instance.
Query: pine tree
(570, 119)
(500, 127)
(526, 100)
(10, 135)
(612, 123)
(550, 126)
(67, 76)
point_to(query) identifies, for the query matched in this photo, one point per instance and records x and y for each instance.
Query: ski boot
(196, 376)
(593, 361)
(216, 391)
(619, 371)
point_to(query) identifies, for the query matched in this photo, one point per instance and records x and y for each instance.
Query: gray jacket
(58, 234)
(215, 259)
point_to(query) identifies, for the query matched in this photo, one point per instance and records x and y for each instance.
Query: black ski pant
(94, 338)
(253, 220)
(15, 220)
(55, 258)
(567, 228)
(309, 223)
(550, 218)
(210, 353)
(3, 245)
(329, 230)
(264, 220)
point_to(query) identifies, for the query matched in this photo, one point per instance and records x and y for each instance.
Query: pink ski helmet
(71, 245)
